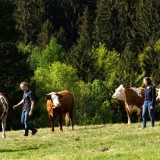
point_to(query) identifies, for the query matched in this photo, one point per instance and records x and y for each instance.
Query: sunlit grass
(108, 142)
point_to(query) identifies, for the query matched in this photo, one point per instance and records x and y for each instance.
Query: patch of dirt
(104, 149)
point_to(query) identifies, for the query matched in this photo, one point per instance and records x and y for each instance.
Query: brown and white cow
(3, 113)
(60, 103)
(133, 99)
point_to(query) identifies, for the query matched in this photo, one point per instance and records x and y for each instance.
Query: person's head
(24, 86)
(147, 81)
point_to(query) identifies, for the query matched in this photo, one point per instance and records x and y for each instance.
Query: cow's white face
(158, 97)
(55, 99)
(120, 93)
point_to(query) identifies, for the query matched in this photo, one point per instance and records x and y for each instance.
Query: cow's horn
(50, 93)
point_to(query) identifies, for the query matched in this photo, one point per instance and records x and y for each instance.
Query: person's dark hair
(148, 80)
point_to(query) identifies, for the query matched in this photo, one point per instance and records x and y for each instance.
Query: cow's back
(132, 97)
(67, 101)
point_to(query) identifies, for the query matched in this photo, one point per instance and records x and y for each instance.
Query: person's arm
(153, 97)
(17, 105)
(31, 96)
(32, 107)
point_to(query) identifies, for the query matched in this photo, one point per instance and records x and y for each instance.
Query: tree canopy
(87, 46)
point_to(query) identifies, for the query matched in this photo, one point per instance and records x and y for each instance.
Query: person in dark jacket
(149, 102)
(27, 110)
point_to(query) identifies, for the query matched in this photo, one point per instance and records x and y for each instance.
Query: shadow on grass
(18, 150)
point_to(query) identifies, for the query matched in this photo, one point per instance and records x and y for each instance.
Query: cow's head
(158, 97)
(119, 93)
(55, 98)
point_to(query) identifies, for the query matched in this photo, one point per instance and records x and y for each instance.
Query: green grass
(99, 142)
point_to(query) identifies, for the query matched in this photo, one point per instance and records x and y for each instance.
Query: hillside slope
(108, 142)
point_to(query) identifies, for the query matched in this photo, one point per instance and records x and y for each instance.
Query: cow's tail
(72, 102)
(72, 112)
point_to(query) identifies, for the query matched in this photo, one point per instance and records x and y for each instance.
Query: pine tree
(122, 23)
(45, 34)
(150, 62)
(7, 23)
(29, 17)
(80, 56)
(63, 14)
(128, 71)
(107, 23)
(13, 67)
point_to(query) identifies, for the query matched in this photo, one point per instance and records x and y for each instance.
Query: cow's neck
(128, 95)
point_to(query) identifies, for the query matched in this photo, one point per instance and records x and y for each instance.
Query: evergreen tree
(80, 56)
(150, 62)
(12, 66)
(14, 69)
(29, 16)
(45, 34)
(122, 23)
(129, 72)
(106, 24)
(63, 14)
(7, 23)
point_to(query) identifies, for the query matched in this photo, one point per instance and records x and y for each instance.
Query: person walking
(149, 102)
(27, 110)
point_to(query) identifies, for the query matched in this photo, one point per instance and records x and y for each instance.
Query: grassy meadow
(95, 142)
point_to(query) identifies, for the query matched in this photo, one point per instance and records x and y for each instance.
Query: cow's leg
(67, 119)
(3, 122)
(139, 115)
(71, 119)
(128, 113)
(60, 121)
(52, 122)
(129, 117)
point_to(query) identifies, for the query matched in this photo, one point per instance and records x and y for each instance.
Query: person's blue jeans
(25, 121)
(146, 110)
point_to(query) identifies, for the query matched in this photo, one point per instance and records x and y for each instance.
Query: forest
(89, 47)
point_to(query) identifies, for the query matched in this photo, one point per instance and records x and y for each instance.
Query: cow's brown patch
(132, 99)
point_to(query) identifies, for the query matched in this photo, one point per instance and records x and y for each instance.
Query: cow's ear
(121, 86)
(157, 89)
(48, 97)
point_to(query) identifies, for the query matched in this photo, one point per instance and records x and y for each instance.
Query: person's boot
(26, 133)
(34, 131)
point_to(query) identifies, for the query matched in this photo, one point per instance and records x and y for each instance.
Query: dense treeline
(88, 47)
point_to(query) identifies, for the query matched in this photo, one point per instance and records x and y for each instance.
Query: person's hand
(14, 107)
(142, 106)
(151, 107)
(30, 113)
